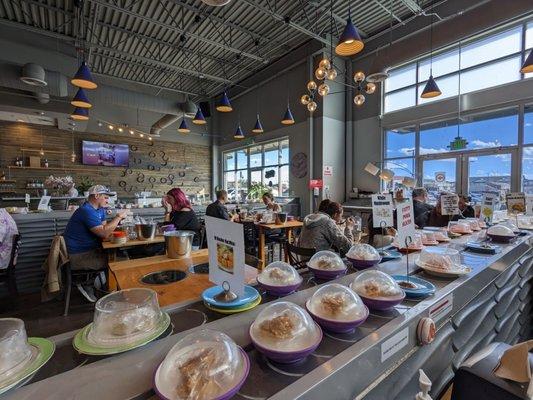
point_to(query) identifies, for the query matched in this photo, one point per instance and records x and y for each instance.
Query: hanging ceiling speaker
(216, 3)
(377, 77)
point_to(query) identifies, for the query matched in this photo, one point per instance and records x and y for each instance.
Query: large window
(527, 151)
(264, 164)
(480, 63)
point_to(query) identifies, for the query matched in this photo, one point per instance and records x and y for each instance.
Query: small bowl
(500, 238)
(280, 290)
(337, 326)
(327, 275)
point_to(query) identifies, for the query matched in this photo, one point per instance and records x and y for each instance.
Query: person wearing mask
(271, 205)
(218, 209)
(179, 212)
(320, 230)
(420, 207)
(85, 231)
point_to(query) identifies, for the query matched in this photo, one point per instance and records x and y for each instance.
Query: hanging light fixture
(224, 105)
(528, 64)
(323, 90)
(288, 118)
(199, 118)
(431, 89)
(258, 127)
(83, 77)
(350, 42)
(239, 134)
(80, 114)
(81, 99)
(183, 128)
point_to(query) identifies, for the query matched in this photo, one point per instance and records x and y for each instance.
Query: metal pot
(179, 243)
(145, 231)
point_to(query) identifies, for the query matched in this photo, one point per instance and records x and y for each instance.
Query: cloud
(480, 144)
(407, 151)
(425, 150)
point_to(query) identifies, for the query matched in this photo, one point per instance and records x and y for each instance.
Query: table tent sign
(225, 243)
(449, 204)
(489, 203)
(516, 203)
(43, 203)
(382, 210)
(406, 221)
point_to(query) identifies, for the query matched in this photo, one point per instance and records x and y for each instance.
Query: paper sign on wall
(489, 203)
(406, 221)
(316, 183)
(440, 176)
(449, 204)
(516, 203)
(382, 210)
(43, 203)
(328, 170)
(225, 241)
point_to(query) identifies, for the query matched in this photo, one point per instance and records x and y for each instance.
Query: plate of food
(501, 233)
(442, 261)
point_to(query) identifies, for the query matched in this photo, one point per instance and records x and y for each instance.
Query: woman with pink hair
(179, 212)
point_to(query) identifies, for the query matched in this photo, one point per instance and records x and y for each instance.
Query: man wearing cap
(86, 229)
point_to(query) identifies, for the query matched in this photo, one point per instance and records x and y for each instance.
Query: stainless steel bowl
(145, 231)
(179, 243)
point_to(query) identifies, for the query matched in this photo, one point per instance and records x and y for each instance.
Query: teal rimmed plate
(82, 344)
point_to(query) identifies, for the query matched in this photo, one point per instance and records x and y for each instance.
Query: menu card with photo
(489, 203)
(449, 204)
(516, 203)
(225, 243)
(382, 210)
(406, 221)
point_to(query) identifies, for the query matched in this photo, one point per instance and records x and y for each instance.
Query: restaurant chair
(8, 275)
(75, 277)
(252, 261)
(298, 256)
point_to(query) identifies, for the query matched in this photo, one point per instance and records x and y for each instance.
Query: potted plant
(84, 185)
(256, 191)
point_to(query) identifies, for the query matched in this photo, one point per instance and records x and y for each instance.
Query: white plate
(441, 272)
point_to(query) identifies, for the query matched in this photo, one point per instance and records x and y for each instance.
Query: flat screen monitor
(105, 154)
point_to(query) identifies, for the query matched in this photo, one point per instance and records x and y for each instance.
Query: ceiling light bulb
(305, 99)
(359, 100)
(320, 73)
(150, 138)
(141, 134)
(41, 152)
(311, 86)
(131, 132)
(120, 130)
(331, 74)
(100, 123)
(111, 127)
(312, 106)
(323, 89)
(370, 88)
(359, 76)
(324, 63)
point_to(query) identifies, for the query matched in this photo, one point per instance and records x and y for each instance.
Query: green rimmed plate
(235, 310)
(45, 349)
(82, 344)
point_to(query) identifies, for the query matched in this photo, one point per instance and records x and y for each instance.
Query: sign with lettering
(43, 203)
(489, 203)
(328, 170)
(406, 221)
(449, 204)
(316, 183)
(440, 176)
(516, 203)
(225, 241)
(382, 210)
(394, 344)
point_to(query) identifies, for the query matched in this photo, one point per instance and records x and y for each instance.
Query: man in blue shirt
(85, 231)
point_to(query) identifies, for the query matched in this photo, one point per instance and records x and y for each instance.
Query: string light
(111, 127)
(131, 132)
(120, 130)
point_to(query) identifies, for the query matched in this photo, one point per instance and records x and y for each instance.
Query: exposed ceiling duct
(42, 98)
(216, 3)
(164, 122)
(189, 108)
(11, 77)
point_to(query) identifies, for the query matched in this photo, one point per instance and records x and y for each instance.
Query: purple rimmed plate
(280, 290)
(286, 357)
(326, 274)
(337, 326)
(500, 238)
(226, 396)
(363, 264)
(382, 303)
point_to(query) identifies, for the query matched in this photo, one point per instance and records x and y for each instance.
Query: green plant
(84, 184)
(257, 190)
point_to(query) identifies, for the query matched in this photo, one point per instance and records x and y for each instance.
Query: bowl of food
(442, 261)
(363, 256)
(459, 227)
(474, 224)
(125, 317)
(337, 308)
(415, 244)
(501, 233)
(203, 365)
(285, 332)
(429, 238)
(326, 265)
(378, 290)
(279, 279)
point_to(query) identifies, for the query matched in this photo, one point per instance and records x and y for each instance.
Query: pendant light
(288, 118)
(528, 64)
(224, 105)
(199, 118)
(80, 114)
(239, 134)
(350, 42)
(258, 127)
(431, 89)
(81, 99)
(183, 128)
(83, 77)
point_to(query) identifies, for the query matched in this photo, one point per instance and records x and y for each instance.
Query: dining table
(111, 247)
(263, 228)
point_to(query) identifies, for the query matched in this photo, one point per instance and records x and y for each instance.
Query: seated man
(420, 207)
(218, 209)
(85, 231)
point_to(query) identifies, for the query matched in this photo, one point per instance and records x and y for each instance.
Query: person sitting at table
(218, 209)
(179, 212)
(271, 205)
(421, 208)
(85, 231)
(467, 211)
(320, 230)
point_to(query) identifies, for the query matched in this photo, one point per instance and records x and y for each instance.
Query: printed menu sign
(489, 203)
(516, 203)
(225, 241)
(449, 204)
(382, 210)
(43, 203)
(406, 221)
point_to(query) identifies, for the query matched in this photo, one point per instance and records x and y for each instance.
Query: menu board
(225, 243)
(406, 221)
(449, 204)
(516, 203)
(382, 210)
(489, 203)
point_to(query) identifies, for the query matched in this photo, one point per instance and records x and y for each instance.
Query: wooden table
(287, 226)
(111, 247)
(128, 274)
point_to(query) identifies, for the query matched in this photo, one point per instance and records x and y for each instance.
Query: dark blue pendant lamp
(81, 100)
(239, 134)
(258, 127)
(528, 64)
(224, 105)
(183, 128)
(199, 118)
(83, 77)
(431, 89)
(350, 42)
(80, 114)
(288, 118)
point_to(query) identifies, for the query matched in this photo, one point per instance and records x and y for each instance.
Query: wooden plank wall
(147, 160)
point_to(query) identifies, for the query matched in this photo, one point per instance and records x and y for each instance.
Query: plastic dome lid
(459, 227)
(337, 302)
(326, 260)
(279, 273)
(429, 236)
(125, 316)
(284, 326)
(205, 364)
(474, 223)
(443, 258)
(500, 230)
(363, 251)
(510, 225)
(376, 284)
(15, 352)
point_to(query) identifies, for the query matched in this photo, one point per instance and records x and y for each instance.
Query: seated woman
(179, 212)
(271, 205)
(320, 230)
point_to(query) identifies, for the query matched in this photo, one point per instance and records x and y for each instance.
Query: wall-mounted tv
(105, 154)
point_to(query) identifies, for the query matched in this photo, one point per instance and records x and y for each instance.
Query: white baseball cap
(100, 189)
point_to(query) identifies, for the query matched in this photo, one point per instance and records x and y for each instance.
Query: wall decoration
(299, 165)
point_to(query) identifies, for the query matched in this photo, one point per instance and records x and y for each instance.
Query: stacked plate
(20, 357)
(123, 321)
(249, 300)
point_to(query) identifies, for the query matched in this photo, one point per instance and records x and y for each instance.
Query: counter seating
(8, 275)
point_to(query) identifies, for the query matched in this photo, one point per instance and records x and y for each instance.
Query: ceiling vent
(216, 3)
(33, 74)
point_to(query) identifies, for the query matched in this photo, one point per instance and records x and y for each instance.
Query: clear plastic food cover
(337, 302)
(429, 237)
(363, 251)
(474, 223)
(326, 260)
(376, 284)
(440, 235)
(500, 230)
(511, 225)
(125, 316)
(279, 273)
(416, 242)
(459, 227)
(203, 365)
(443, 258)
(284, 326)
(15, 352)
